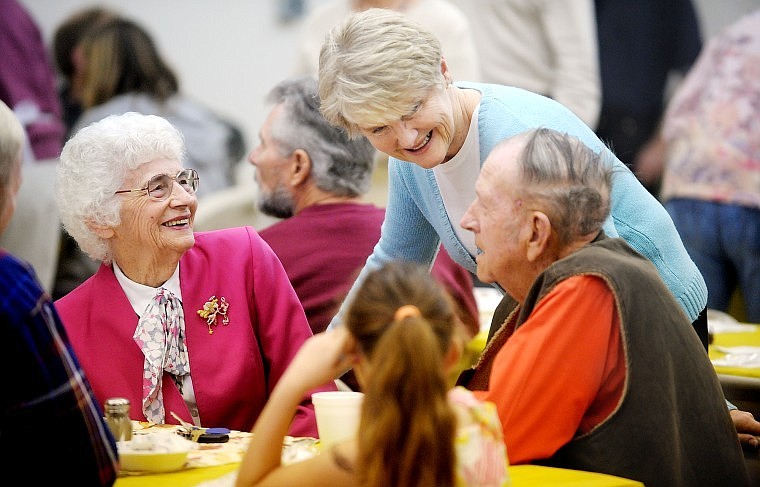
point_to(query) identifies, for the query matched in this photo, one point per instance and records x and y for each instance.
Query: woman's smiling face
(424, 136)
(155, 228)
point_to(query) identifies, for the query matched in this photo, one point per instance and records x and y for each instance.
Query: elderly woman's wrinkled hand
(322, 358)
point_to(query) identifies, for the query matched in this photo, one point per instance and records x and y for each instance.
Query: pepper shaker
(117, 418)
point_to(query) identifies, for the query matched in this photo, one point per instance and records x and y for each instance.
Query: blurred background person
(711, 183)
(27, 86)
(65, 40)
(199, 324)
(313, 175)
(73, 265)
(27, 81)
(414, 430)
(546, 46)
(442, 17)
(644, 48)
(47, 396)
(123, 71)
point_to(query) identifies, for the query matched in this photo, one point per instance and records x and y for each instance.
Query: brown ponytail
(407, 428)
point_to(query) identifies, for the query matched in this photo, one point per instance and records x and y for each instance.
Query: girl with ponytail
(400, 338)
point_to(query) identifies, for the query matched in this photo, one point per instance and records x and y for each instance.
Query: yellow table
(522, 476)
(740, 385)
(535, 476)
(188, 477)
(217, 464)
(751, 338)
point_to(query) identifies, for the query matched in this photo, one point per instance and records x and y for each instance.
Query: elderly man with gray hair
(597, 367)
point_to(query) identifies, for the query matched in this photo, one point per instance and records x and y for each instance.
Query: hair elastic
(406, 311)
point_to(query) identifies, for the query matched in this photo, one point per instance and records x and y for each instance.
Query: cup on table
(338, 414)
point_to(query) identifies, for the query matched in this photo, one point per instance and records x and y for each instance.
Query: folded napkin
(720, 322)
(742, 357)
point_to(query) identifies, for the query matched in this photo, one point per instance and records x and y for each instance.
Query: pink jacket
(234, 369)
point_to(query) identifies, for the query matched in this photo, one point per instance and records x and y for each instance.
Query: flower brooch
(213, 309)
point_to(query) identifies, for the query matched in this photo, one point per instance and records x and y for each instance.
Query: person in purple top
(27, 81)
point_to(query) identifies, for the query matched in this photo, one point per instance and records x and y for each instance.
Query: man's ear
(102, 231)
(300, 167)
(541, 231)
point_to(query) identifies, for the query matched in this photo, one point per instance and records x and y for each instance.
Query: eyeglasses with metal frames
(160, 186)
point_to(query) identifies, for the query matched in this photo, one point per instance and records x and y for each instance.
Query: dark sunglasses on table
(160, 186)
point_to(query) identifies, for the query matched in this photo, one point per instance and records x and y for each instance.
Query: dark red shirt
(324, 247)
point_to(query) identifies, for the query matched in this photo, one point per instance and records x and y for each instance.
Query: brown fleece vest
(672, 426)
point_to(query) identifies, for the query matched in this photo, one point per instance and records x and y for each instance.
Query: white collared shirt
(139, 296)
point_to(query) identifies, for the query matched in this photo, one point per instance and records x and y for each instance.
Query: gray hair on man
(572, 181)
(340, 165)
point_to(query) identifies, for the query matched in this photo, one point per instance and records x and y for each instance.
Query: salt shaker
(117, 417)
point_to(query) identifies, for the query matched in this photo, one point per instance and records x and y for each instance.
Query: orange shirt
(561, 373)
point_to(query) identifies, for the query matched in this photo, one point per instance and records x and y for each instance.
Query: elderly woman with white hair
(197, 324)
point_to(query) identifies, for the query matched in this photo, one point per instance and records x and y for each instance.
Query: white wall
(227, 53)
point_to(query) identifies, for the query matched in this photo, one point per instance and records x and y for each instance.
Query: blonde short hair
(374, 66)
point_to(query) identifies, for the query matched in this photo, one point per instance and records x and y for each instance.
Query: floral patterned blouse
(481, 453)
(712, 126)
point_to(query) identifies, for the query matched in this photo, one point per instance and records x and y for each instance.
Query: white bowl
(159, 451)
(149, 461)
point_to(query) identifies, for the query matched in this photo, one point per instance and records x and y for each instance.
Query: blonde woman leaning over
(414, 431)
